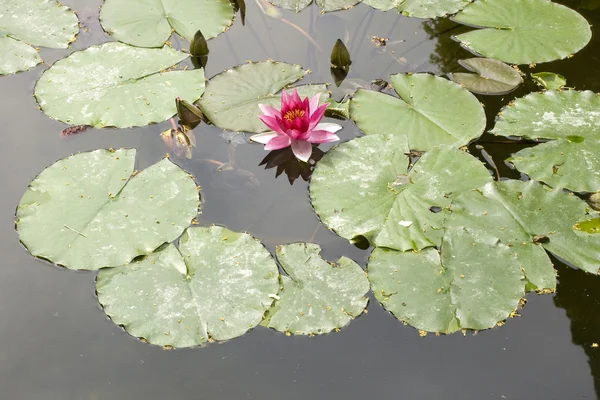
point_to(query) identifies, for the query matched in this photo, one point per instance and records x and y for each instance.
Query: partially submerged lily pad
(362, 188)
(420, 8)
(549, 80)
(470, 285)
(316, 297)
(431, 111)
(217, 288)
(114, 84)
(88, 212)
(231, 98)
(551, 115)
(324, 5)
(149, 23)
(489, 77)
(523, 31)
(570, 163)
(27, 23)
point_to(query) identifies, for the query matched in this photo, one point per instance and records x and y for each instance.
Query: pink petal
(322, 137)
(285, 99)
(326, 126)
(302, 150)
(293, 133)
(296, 100)
(316, 116)
(278, 142)
(314, 103)
(263, 138)
(269, 111)
(273, 123)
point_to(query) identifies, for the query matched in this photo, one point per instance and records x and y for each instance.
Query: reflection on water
(285, 161)
(57, 344)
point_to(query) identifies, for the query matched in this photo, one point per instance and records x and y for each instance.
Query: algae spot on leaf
(523, 31)
(429, 111)
(88, 212)
(27, 23)
(316, 297)
(216, 287)
(114, 84)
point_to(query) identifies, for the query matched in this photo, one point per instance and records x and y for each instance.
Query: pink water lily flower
(297, 124)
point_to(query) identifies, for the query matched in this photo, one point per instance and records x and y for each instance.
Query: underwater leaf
(551, 115)
(420, 8)
(431, 111)
(549, 80)
(563, 163)
(117, 85)
(16, 56)
(523, 31)
(362, 188)
(490, 76)
(316, 297)
(87, 211)
(523, 215)
(27, 23)
(471, 285)
(325, 5)
(217, 288)
(232, 97)
(149, 23)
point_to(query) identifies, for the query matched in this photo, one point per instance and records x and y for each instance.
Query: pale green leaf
(490, 76)
(420, 8)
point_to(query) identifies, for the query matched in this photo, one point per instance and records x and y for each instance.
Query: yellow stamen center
(293, 114)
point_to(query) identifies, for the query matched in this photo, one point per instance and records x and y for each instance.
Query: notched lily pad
(489, 77)
(429, 111)
(471, 284)
(149, 23)
(316, 297)
(117, 85)
(362, 188)
(216, 287)
(27, 23)
(232, 97)
(549, 80)
(523, 31)
(88, 211)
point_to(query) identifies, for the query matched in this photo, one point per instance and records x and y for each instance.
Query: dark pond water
(57, 344)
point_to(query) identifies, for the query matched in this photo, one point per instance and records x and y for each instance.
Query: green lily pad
(431, 111)
(316, 297)
(217, 288)
(551, 115)
(523, 31)
(420, 8)
(27, 23)
(362, 188)
(562, 163)
(231, 98)
(525, 215)
(338, 110)
(490, 77)
(324, 5)
(117, 85)
(470, 285)
(88, 212)
(549, 80)
(149, 23)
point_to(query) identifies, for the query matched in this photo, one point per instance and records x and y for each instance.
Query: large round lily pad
(316, 297)
(231, 99)
(489, 76)
(528, 214)
(471, 285)
(88, 212)
(362, 188)
(149, 23)
(431, 111)
(572, 164)
(27, 23)
(523, 31)
(217, 288)
(551, 115)
(420, 8)
(117, 85)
